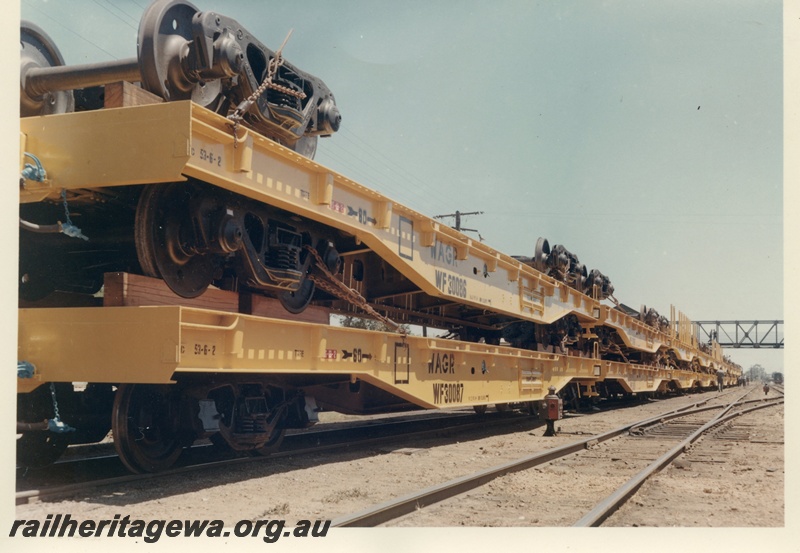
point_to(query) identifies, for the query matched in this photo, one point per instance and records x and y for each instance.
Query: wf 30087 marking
(447, 392)
(222, 248)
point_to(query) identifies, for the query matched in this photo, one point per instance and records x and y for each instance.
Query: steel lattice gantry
(742, 334)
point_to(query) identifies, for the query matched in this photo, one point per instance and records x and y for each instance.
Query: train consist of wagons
(181, 254)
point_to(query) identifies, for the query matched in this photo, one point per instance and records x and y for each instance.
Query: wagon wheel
(40, 449)
(479, 409)
(306, 146)
(296, 302)
(541, 254)
(273, 444)
(144, 422)
(38, 50)
(165, 31)
(163, 233)
(34, 281)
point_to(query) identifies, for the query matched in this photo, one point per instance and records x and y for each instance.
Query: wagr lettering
(444, 254)
(442, 363)
(444, 393)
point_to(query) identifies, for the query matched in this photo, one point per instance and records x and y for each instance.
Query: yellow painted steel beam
(99, 345)
(113, 147)
(171, 141)
(161, 344)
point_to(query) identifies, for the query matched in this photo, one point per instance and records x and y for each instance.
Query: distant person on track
(720, 379)
(766, 388)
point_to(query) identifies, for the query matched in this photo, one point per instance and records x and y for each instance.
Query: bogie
(227, 205)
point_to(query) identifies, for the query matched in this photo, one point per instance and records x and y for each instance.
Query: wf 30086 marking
(172, 201)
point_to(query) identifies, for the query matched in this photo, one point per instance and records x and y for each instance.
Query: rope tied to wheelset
(329, 283)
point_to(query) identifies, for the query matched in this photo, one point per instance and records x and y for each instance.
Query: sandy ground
(722, 482)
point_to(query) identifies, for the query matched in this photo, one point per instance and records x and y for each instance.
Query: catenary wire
(48, 16)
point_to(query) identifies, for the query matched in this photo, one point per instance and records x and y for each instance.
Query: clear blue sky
(647, 137)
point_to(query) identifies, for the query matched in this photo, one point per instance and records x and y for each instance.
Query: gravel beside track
(744, 489)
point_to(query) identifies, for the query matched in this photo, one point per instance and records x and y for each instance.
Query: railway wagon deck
(180, 260)
(146, 360)
(438, 270)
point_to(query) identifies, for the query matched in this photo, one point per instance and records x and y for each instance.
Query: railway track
(82, 473)
(84, 468)
(631, 454)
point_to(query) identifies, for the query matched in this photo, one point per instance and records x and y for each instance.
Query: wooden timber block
(253, 304)
(125, 289)
(124, 94)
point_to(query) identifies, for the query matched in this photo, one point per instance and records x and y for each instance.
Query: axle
(185, 54)
(38, 81)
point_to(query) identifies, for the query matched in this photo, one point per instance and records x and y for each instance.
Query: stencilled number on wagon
(205, 350)
(207, 155)
(447, 392)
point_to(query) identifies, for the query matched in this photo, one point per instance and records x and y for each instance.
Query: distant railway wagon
(181, 255)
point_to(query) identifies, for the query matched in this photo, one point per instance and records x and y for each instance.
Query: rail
(299, 443)
(409, 503)
(609, 505)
